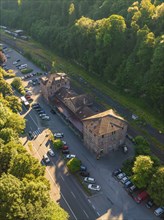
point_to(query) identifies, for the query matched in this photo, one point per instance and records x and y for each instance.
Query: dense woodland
(24, 190)
(121, 42)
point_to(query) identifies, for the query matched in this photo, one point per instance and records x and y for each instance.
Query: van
(141, 197)
(23, 66)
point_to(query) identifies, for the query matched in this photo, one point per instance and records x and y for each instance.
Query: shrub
(24, 71)
(57, 144)
(74, 165)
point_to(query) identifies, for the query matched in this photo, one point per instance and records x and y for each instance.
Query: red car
(65, 147)
(141, 197)
(27, 96)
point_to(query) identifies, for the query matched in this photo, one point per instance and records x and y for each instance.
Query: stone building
(104, 132)
(52, 83)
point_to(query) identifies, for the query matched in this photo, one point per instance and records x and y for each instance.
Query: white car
(46, 159)
(15, 62)
(70, 156)
(159, 211)
(51, 153)
(45, 117)
(89, 180)
(94, 187)
(124, 179)
(42, 115)
(64, 142)
(58, 135)
(121, 175)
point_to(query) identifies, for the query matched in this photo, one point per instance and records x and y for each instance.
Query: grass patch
(24, 71)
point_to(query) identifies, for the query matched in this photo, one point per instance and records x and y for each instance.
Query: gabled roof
(80, 100)
(63, 93)
(104, 122)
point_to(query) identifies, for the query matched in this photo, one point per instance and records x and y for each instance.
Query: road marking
(93, 207)
(98, 213)
(62, 177)
(89, 201)
(85, 213)
(73, 194)
(58, 190)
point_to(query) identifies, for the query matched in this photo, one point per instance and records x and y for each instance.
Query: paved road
(113, 201)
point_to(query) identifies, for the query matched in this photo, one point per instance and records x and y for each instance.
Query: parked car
(141, 197)
(70, 156)
(94, 187)
(65, 151)
(84, 173)
(64, 142)
(51, 153)
(116, 172)
(41, 115)
(159, 211)
(36, 107)
(124, 179)
(35, 104)
(83, 168)
(149, 204)
(30, 99)
(128, 184)
(46, 117)
(65, 147)
(89, 180)
(132, 188)
(31, 135)
(58, 135)
(120, 176)
(46, 159)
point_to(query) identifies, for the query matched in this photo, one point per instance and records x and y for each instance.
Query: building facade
(52, 83)
(104, 132)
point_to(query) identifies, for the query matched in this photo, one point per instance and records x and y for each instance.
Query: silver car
(121, 175)
(94, 187)
(89, 180)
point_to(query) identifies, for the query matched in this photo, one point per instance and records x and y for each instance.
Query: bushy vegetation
(118, 41)
(17, 84)
(74, 165)
(24, 71)
(24, 190)
(146, 171)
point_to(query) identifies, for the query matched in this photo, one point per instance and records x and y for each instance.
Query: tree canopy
(120, 41)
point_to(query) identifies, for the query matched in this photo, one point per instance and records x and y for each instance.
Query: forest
(121, 42)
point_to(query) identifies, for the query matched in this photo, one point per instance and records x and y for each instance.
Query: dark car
(84, 173)
(149, 204)
(83, 168)
(31, 135)
(116, 172)
(36, 104)
(65, 151)
(53, 111)
(41, 112)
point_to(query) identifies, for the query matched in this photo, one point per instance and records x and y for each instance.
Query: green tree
(23, 164)
(12, 205)
(17, 84)
(5, 88)
(16, 122)
(156, 189)
(74, 165)
(57, 144)
(143, 169)
(8, 134)
(14, 103)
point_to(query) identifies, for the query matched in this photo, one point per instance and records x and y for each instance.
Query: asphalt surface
(112, 202)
